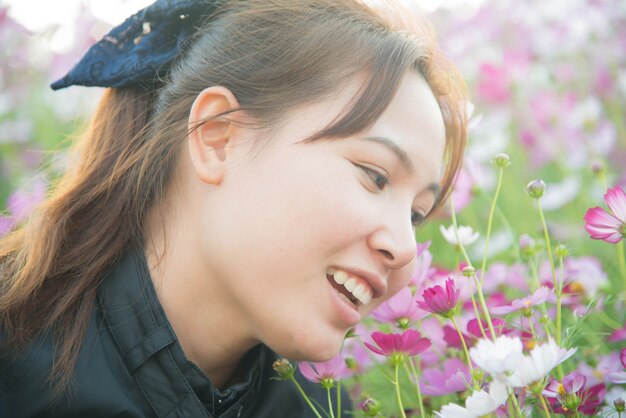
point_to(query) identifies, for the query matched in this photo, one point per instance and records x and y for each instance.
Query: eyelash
(381, 181)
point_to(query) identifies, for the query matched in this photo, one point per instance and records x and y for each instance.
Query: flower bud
(371, 407)
(501, 160)
(284, 368)
(527, 245)
(619, 404)
(536, 188)
(468, 271)
(561, 251)
(597, 166)
(351, 363)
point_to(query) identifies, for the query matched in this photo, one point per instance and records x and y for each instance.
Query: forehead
(414, 122)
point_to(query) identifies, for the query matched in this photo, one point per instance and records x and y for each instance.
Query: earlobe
(208, 141)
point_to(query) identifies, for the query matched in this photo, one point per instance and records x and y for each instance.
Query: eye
(417, 219)
(379, 180)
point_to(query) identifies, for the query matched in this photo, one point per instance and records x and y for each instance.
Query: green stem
(544, 310)
(465, 350)
(559, 294)
(338, 399)
(398, 397)
(513, 399)
(483, 304)
(481, 298)
(306, 398)
(456, 234)
(417, 387)
(544, 405)
(480, 322)
(549, 248)
(489, 223)
(330, 403)
(622, 261)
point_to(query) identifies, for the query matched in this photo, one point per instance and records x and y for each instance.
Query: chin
(315, 348)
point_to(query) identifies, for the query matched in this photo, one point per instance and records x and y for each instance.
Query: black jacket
(131, 365)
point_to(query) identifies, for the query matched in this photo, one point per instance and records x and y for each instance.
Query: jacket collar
(172, 384)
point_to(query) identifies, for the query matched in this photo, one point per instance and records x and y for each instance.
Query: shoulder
(100, 385)
(24, 376)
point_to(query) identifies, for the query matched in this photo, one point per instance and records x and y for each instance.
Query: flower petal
(615, 198)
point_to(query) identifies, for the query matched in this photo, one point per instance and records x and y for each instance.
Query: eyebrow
(404, 159)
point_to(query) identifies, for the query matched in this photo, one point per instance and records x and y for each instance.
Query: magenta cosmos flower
(325, 373)
(397, 347)
(440, 301)
(610, 227)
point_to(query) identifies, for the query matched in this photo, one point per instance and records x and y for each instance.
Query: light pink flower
(610, 227)
(620, 376)
(538, 297)
(454, 377)
(409, 343)
(325, 372)
(399, 309)
(440, 301)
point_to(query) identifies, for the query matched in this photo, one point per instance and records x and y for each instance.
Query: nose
(394, 240)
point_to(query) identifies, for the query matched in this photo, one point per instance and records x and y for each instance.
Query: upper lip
(378, 284)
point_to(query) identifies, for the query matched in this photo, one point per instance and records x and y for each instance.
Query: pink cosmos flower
(325, 372)
(618, 335)
(440, 301)
(499, 326)
(571, 395)
(610, 227)
(538, 297)
(399, 309)
(454, 377)
(451, 337)
(409, 343)
(620, 376)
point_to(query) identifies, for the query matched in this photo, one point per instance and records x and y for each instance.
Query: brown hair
(273, 55)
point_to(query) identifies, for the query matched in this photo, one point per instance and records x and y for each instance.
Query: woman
(250, 162)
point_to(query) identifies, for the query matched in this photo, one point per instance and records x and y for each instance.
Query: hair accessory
(140, 50)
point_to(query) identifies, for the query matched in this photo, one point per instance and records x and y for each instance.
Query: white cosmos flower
(467, 236)
(452, 410)
(538, 364)
(499, 357)
(478, 404)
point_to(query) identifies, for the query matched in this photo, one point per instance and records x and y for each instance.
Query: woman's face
(290, 220)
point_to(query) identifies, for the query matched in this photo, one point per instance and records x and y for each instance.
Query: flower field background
(518, 305)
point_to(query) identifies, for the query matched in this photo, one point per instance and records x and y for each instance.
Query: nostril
(387, 254)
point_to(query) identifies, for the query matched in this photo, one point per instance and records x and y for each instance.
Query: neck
(202, 316)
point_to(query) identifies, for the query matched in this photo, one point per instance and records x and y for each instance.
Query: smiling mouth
(343, 292)
(351, 288)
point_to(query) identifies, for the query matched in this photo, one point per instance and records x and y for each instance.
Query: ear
(208, 143)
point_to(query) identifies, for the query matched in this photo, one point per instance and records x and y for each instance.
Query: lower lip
(347, 313)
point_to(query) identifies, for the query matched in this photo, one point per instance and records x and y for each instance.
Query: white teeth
(340, 277)
(360, 291)
(367, 297)
(350, 284)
